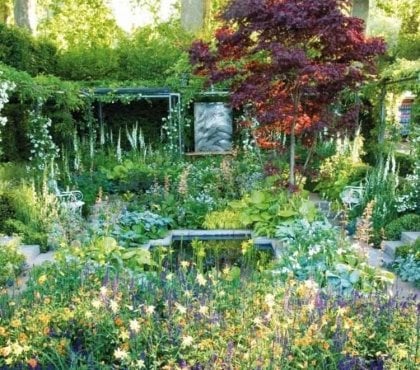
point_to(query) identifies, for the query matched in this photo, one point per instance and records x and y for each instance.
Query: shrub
(405, 163)
(408, 222)
(336, 173)
(410, 249)
(11, 262)
(29, 233)
(34, 213)
(6, 210)
(22, 52)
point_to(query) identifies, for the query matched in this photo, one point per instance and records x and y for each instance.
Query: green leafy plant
(135, 228)
(34, 213)
(337, 172)
(408, 268)
(11, 262)
(225, 219)
(409, 249)
(105, 251)
(263, 210)
(318, 251)
(408, 222)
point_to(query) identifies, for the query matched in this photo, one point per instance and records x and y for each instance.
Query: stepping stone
(409, 237)
(6, 239)
(42, 258)
(390, 247)
(387, 261)
(30, 252)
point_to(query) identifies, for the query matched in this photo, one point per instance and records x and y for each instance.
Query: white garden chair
(352, 196)
(71, 200)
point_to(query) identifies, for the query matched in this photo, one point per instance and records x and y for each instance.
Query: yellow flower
(342, 310)
(15, 323)
(226, 270)
(3, 331)
(185, 264)
(44, 318)
(401, 353)
(120, 354)
(88, 314)
(23, 338)
(187, 341)
(134, 326)
(42, 279)
(201, 280)
(6, 351)
(124, 335)
(170, 276)
(17, 349)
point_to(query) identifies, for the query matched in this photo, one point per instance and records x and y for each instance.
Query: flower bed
(90, 316)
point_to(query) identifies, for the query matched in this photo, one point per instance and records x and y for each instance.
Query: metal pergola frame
(174, 102)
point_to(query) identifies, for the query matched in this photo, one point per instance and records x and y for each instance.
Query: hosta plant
(318, 251)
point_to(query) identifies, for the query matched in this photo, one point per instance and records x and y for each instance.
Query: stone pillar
(25, 14)
(360, 9)
(193, 14)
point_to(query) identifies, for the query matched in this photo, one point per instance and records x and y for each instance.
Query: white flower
(269, 300)
(114, 306)
(96, 303)
(187, 341)
(140, 364)
(120, 354)
(134, 326)
(257, 321)
(182, 310)
(150, 310)
(204, 310)
(201, 280)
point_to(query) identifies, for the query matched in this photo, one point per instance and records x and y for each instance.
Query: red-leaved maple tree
(287, 61)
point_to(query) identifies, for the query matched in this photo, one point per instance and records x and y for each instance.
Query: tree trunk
(25, 14)
(292, 177)
(360, 9)
(194, 14)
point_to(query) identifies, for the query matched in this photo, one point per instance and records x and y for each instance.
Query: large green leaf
(258, 197)
(354, 276)
(286, 213)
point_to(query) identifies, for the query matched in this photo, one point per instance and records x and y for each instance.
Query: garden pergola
(137, 93)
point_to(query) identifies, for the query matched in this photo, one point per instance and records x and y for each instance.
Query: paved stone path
(33, 257)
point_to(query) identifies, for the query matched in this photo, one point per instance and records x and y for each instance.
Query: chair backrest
(53, 186)
(352, 196)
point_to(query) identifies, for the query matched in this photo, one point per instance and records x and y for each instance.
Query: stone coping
(219, 234)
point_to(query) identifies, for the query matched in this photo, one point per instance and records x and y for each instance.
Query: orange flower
(32, 363)
(118, 321)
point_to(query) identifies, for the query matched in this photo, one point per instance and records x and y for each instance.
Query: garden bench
(352, 196)
(72, 200)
